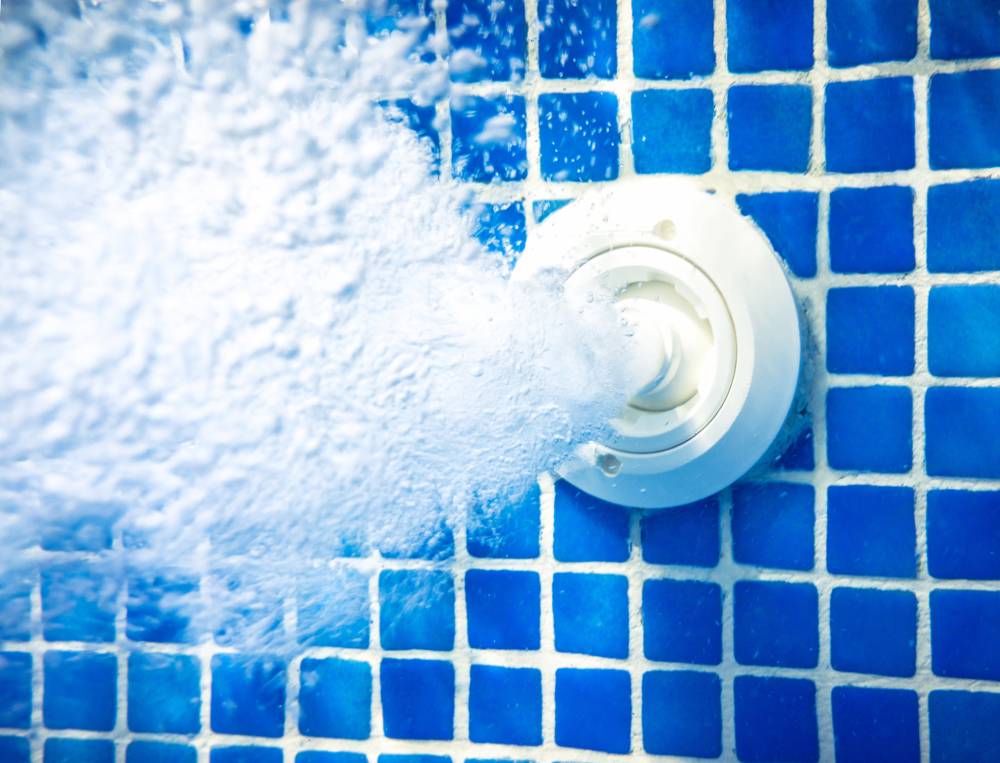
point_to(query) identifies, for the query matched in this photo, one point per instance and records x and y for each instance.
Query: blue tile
(430, 537)
(503, 609)
(789, 220)
(488, 40)
(686, 535)
(594, 709)
(964, 627)
(672, 131)
(421, 120)
(164, 693)
(588, 529)
(15, 604)
(415, 17)
(417, 609)
(871, 531)
(15, 750)
(79, 691)
(869, 125)
(682, 713)
(870, 31)
(871, 230)
(770, 34)
(799, 455)
(78, 602)
(775, 624)
(964, 108)
(873, 631)
(964, 29)
(775, 719)
(502, 229)
(63, 750)
(545, 207)
(250, 604)
(672, 39)
(15, 690)
(769, 127)
(248, 695)
(78, 526)
(158, 608)
(682, 621)
(413, 759)
(245, 754)
(963, 534)
(773, 525)
(961, 330)
(875, 724)
(335, 699)
(870, 330)
(505, 705)
(961, 233)
(960, 425)
(870, 429)
(344, 625)
(488, 138)
(579, 136)
(590, 613)
(577, 38)
(507, 527)
(330, 757)
(963, 726)
(418, 699)
(160, 752)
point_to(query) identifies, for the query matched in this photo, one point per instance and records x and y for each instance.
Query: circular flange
(715, 318)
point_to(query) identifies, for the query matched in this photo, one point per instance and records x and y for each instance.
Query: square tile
(799, 455)
(248, 695)
(158, 606)
(963, 534)
(873, 631)
(421, 120)
(160, 752)
(685, 535)
(871, 531)
(503, 609)
(875, 724)
(870, 429)
(245, 754)
(963, 107)
(315, 756)
(577, 38)
(505, 705)
(672, 131)
(344, 625)
(869, 125)
(502, 229)
(416, 609)
(594, 709)
(871, 230)
(961, 330)
(508, 527)
(870, 31)
(412, 758)
(335, 698)
(775, 719)
(78, 526)
(418, 699)
(963, 726)
(15, 604)
(164, 693)
(80, 690)
(770, 34)
(15, 690)
(590, 614)
(673, 39)
(488, 138)
(588, 529)
(545, 207)
(773, 525)
(964, 627)
(960, 423)
(789, 220)
(15, 749)
(79, 599)
(961, 235)
(682, 621)
(430, 537)
(870, 330)
(64, 750)
(775, 624)
(579, 136)
(682, 713)
(769, 127)
(488, 40)
(964, 29)
(249, 601)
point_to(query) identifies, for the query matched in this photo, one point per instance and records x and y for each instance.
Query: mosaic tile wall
(843, 606)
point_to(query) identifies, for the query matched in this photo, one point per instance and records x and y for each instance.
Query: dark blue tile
(871, 230)
(63, 750)
(870, 429)
(594, 709)
(672, 39)
(346, 624)
(770, 34)
(421, 120)
(15, 604)
(245, 754)
(330, 757)
(160, 752)
(873, 631)
(672, 131)
(871, 531)
(963, 534)
(775, 719)
(577, 38)
(773, 525)
(964, 627)
(682, 621)
(503, 609)
(79, 691)
(248, 695)
(405, 758)
(418, 699)
(78, 602)
(964, 29)
(870, 330)
(164, 693)
(590, 614)
(870, 31)
(775, 624)
(799, 455)
(15, 749)
(588, 529)
(501, 228)
(15, 690)
(506, 527)
(961, 233)
(545, 207)
(579, 136)
(682, 713)
(961, 330)
(960, 423)
(335, 699)
(963, 726)
(488, 138)
(769, 127)
(417, 609)
(158, 607)
(964, 110)
(789, 220)
(488, 40)
(875, 724)
(686, 535)
(505, 705)
(869, 125)
(430, 537)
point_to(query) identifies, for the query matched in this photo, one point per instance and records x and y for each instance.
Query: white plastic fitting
(715, 322)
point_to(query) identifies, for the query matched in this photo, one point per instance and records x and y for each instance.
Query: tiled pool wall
(843, 605)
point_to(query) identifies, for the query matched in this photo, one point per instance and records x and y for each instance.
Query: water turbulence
(243, 329)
